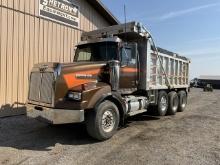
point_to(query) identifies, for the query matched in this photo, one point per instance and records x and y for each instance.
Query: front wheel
(103, 122)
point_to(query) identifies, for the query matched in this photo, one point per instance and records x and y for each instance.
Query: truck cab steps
(133, 113)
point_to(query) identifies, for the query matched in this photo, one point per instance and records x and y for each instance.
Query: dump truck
(117, 72)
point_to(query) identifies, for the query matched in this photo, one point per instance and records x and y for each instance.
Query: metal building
(34, 31)
(213, 80)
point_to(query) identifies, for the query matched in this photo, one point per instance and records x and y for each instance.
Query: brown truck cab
(117, 72)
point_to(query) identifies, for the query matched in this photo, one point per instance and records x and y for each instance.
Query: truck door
(128, 70)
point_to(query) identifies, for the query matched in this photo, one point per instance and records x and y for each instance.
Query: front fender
(104, 92)
(93, 96)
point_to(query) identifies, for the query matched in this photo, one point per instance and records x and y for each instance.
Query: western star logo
(63, 11)
(84, 76)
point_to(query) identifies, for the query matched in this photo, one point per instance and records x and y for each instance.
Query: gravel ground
(191, 137)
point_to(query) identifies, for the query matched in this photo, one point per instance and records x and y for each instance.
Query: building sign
(62, 11)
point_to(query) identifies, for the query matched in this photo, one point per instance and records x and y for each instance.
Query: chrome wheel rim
(163, 103)
(108, 121)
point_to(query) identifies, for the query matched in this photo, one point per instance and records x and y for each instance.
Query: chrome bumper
(55, 116)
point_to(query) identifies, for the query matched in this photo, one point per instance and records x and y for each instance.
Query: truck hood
(69, 76)
(73, 75)
(57, 79)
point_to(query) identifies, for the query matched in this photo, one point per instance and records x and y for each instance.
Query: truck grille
(41, 87)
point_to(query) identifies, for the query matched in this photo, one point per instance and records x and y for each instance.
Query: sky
(190, 28)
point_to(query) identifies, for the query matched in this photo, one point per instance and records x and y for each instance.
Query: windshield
(104, 51)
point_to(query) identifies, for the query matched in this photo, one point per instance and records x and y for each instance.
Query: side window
(128, 56)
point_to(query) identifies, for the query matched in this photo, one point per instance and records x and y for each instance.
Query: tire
(96, 121)
(182, 101)
(162, 104)
(173, 103)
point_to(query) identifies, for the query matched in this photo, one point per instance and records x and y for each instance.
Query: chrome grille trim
(41, 87)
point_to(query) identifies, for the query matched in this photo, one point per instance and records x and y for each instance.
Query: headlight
(74, 96)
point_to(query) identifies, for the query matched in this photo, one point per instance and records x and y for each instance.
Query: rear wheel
(102, 122)
(182, 101)
(162, 104)
(173, 103)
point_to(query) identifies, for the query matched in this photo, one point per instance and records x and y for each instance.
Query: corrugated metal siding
(26, 39)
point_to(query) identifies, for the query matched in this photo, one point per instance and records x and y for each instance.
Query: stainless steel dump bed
(168, 70)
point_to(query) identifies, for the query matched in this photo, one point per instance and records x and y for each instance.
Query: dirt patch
(191, 137)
